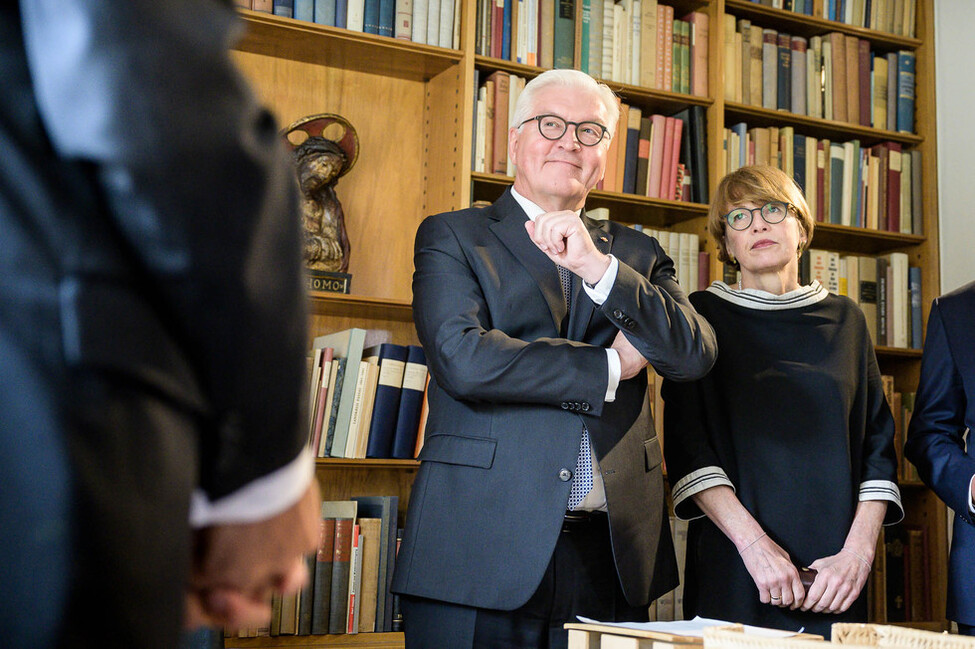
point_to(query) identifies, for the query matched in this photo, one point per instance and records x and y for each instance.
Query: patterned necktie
(582, 482)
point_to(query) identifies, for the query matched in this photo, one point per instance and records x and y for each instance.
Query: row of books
(887, 289)
(431, 22)
(902, 407)
(691, 264)
(891, 16)
(844, 183)
(366, 395)
(348, 590)
(899, 586)
(834, 76)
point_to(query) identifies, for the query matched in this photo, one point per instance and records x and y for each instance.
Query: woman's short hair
(571, 81)
(756, 184)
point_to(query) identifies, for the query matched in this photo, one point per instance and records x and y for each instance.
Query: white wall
(954, 33)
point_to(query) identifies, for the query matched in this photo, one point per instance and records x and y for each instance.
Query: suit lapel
(582, 306)
(510, 229)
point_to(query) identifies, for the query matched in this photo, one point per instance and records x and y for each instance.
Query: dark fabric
(794, 413)
(152, 319)
(944, 408)
(966, 629)
(579, 580)
(488, 308)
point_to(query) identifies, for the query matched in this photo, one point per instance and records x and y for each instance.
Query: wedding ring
(773, 597)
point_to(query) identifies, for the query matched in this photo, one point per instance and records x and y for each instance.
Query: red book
(657, 128)
(325, 371)
(666, 188)
(674, 159)
(497, 27)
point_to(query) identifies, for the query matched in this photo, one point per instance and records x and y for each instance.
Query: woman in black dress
(782, 456)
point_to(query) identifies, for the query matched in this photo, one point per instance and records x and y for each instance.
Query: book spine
(905, 91)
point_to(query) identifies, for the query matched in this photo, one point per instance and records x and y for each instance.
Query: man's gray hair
(570, 81)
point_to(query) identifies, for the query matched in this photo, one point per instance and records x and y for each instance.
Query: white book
(356, 15)
(827, 80)
(362, 378)
(609, 17)
(433, 22)
(898, 300)
(849, 171)
(515, 85)
(403, 28)
(636, 20)
(694, 251)
(479, 163)
(446, 37)
(532, 32)
(648, 44)
(685, 252)
(419, 27)
(620, 32)
(521, 51)
(810, 174)
(596, 37)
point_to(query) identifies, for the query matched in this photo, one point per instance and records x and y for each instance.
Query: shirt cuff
(615, 372)
(599, 291)
(971, 501)
(259, 500)
(884, 490)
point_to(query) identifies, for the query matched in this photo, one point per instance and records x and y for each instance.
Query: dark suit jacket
(509, 398)
(152, 319)
(944, 408)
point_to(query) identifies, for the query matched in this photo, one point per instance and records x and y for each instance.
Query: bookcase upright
(413, 108)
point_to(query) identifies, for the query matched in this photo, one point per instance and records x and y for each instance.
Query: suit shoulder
(962, 297)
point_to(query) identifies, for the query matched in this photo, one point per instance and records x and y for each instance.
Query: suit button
(565, 475)
(565, 405)
(585, 406)
(617, 314)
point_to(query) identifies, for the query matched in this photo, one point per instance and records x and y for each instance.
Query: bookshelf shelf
(334, 304)
(757, 116)
(626, 208)
(366, 464)
(898, 353)
(802, 25)
(845, 238)
(359, 640)
(297, 40)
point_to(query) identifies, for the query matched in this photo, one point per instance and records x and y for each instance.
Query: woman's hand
(841, 578)
(774, 575)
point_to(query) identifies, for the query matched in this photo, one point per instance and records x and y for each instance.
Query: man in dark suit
(944, 412)
(152, 330)
(540, 496)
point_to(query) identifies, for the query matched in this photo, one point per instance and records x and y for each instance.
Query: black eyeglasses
(772, 212)
(553, 127)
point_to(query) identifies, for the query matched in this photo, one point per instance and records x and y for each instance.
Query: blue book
(506, 31)
(284, 8)
(630, 159)
(799, 161)
(905, 91)
(391, 359)
(914, 288)
(784, 73)
(342, 13)
(410, 404)
(741, 129)
(325, 12)
(304, 10)
(370, 17)
(387, 16)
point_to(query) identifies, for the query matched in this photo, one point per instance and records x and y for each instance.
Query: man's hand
(564, 238)
(631, 361)
(236, 567)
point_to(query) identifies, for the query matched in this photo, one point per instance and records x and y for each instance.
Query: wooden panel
(359, 640)
(382, 194)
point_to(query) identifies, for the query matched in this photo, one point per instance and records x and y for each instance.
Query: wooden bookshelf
(413, 108)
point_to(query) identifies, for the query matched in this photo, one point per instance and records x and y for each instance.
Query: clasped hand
(564, 238)
(236, 567)
(838, 583)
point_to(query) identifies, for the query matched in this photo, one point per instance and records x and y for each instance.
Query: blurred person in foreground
(152, 330)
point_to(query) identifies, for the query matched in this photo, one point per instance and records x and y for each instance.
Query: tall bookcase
(413, 108)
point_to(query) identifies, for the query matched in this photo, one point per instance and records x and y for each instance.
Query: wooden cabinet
(413, 108)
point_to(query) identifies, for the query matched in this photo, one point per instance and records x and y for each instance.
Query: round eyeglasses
(553, 127)
(772, 212)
